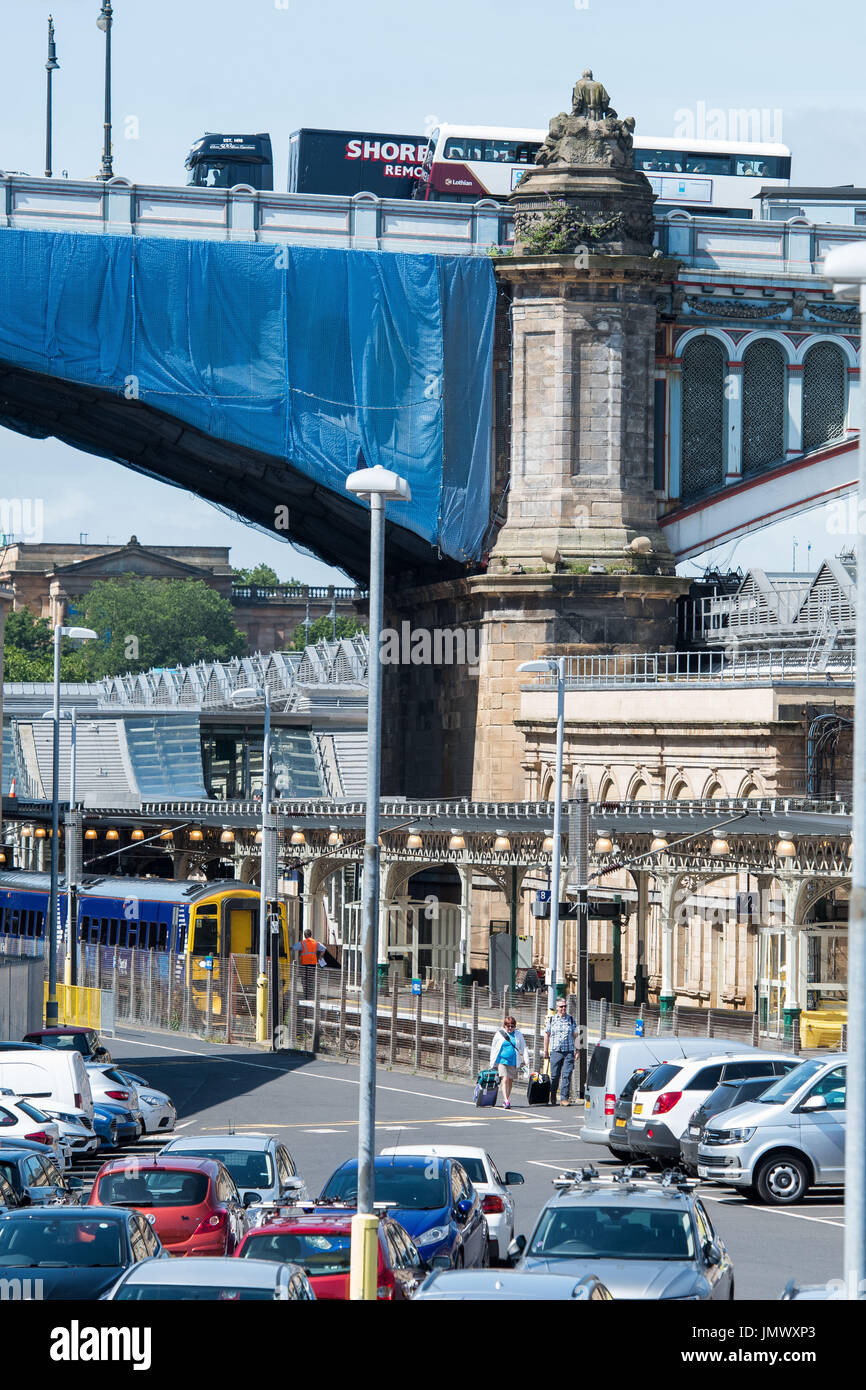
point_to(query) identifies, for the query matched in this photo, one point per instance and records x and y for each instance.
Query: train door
(240, 927)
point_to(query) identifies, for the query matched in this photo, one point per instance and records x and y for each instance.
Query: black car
(74, 1252)
(726, 1095)
(622, 1110)
(35, 1178)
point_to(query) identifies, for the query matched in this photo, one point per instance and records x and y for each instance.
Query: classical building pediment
(131, 558)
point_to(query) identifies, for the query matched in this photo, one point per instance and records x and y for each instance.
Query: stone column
(791, 890)
(734, 396)
(465, 872)
(675, 428)
(667, 883)
(795, 408)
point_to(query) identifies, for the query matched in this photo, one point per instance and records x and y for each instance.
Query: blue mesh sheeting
(311, 355)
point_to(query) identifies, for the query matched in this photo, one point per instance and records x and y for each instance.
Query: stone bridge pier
(579, 563)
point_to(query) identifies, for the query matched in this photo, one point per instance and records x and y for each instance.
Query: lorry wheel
(782, 1180)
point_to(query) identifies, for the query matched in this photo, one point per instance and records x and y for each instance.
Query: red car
(192, 1203)
(83, 1040)
(320, 1241)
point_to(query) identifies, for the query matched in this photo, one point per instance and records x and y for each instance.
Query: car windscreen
(66, 1042)
(190, 1293)
(597, 1071)
(632, 1084)
(421, 1188)
(318, 1253)
(249, 1167)
(614, 1232)
(56, 1244)
(785, 1087)
(658, 1078)
(474, 1168)
(153, 1187)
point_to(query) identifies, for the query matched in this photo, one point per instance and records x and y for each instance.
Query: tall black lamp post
(51, 67)
(104, 23)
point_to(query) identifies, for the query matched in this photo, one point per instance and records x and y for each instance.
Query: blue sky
(246, 65)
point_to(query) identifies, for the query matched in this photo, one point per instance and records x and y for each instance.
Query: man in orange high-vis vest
(310, 954)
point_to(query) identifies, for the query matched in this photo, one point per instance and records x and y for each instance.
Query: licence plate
(620, 1124)
(637, 1110)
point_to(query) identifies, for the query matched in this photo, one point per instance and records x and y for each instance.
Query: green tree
(152, 622)
(322, 630)
(28, 654)
(259, 574)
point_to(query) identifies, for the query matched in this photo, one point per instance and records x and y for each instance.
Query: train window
(84, 931)
(162, 937)
(26, 923)
(206, 936)
(14, 917)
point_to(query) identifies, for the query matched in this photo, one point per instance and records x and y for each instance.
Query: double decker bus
(719, 178)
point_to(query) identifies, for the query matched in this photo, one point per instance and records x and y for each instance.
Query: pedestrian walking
(560, 1045)
(508, 1054)
(311, 954)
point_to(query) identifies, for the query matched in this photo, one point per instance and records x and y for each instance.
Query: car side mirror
(712, 1253)
(814, 1103)
(516, 1248)
(291, 1185)
(101, 1054)
(464, 1208)
(75, 1184)
(250, 1198)
(513, 1179)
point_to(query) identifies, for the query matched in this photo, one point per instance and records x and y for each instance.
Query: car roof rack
(633, 1175)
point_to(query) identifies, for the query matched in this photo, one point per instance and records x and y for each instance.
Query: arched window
(764, 405)
(824, 394)
(703, 432)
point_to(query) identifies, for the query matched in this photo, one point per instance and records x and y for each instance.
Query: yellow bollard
(364, 1264)
(261, 1008)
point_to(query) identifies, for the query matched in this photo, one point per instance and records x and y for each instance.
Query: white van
(612, 1062)
(49, 1078)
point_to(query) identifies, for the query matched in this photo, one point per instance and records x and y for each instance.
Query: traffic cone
(12, 788)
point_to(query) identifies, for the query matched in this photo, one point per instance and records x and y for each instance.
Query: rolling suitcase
(538, 1090)
(487, 1087)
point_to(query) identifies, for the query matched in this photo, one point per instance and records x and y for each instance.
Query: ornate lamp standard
(104, 23)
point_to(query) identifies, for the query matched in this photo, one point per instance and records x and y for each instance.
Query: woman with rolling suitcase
(508, 1054)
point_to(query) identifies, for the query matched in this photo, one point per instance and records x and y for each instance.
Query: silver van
(614, 1060)
(790, 1139)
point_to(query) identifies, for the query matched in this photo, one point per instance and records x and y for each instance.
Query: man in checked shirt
(560, 1045)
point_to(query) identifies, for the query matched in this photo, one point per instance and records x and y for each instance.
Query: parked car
(36, 1178)
(643, 1238)
(75, 1252)
(477, 1285)
(57, 1078)
(435, 1203)
(613, 1061)
(107, 1082)
(497, 1202)
(671, 1092)
(214, 1280)
(116, 1126)
(9, 1199)
(20, 1119)
(622, 1113)
(726, 1096)
(262, 1168)
(320, 1242)
(790, 1139)
(192, 1203)
(157, 1110)
(85, 1041)
(76, 1131)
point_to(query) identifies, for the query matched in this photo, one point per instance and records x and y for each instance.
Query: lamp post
(377, 485)
(846, 268)
(267, 858)
(104, 23)
(72, 847)
(51, 67)
(77, 634)
(549, 666)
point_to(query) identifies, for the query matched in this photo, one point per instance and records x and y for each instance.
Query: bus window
(453, 150)
(698, 163)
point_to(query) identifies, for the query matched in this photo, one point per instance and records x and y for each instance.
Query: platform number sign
(638, 1027)
(416, 986)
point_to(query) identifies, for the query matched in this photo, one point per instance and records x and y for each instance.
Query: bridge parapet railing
(763, 665)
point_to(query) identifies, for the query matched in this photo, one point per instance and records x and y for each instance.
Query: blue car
(431, 1198)
(114, 1125)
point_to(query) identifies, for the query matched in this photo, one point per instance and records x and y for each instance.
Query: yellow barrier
(822, 1027)
(77, 1005)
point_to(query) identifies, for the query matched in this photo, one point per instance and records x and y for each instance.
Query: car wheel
(782, 1180)
(112, 1137)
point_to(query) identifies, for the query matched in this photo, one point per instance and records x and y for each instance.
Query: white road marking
(185, 1124)
(323, 1131)
(775, 1211)
(564, 1132)
(462, 1124)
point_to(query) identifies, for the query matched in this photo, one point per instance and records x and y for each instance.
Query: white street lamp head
(248, 692)
(846, 267)
(378, 482)
(540, 667)
(79, 634)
